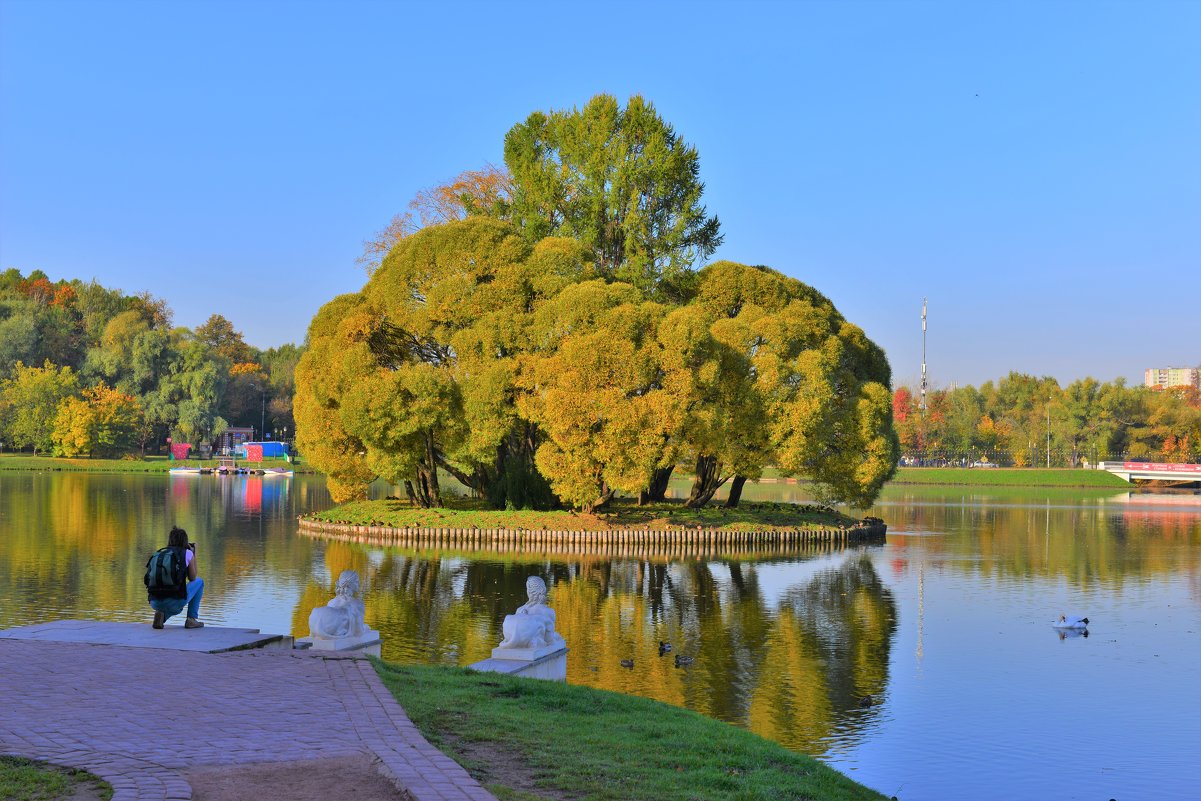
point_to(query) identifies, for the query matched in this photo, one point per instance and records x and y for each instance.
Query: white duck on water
(1071, 622)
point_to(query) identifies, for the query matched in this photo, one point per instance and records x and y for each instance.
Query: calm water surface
(946, 626)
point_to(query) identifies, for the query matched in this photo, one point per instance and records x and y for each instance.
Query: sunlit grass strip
(583, 743)
(26, 780)
(1008, 477)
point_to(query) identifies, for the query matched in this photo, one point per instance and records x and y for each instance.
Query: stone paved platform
(209, 640)
(96, 707)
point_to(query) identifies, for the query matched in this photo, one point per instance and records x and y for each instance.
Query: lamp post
(1048, 433)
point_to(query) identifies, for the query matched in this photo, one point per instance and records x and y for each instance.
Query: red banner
(1162, 467)
(179, 450)
(254, 453)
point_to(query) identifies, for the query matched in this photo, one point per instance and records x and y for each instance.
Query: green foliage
(223, 339)
(29, 402)
(621, 182)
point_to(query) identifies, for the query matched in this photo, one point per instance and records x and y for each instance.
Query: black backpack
(167, 574)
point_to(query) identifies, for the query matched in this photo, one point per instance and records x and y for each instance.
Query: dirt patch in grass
(356, 777)
(500, 768)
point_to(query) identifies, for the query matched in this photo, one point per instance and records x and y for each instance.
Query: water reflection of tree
(828, 648)
(790, 667)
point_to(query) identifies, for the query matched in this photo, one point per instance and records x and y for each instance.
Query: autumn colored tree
(459, 298)
(488, 191)
(593, 389)
(818, 402)
(322, 377)
(103, 421)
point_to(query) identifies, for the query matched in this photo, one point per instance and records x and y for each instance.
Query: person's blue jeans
(170, 607)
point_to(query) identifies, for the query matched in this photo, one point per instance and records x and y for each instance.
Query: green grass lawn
(527, 740)
(149, 464)
(1008, 477)
(25, 780)
(621, 513)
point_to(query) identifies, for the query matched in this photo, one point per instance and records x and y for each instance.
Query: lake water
(947, 626)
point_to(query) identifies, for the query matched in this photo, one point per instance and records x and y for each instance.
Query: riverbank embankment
(1009, 477)
(149, 464)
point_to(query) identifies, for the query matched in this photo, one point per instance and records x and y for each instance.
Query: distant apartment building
(1173, 377)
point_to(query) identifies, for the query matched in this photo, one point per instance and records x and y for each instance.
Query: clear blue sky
(1032, 168)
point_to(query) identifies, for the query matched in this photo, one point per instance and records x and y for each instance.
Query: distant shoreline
(151, 464)
(927, 476)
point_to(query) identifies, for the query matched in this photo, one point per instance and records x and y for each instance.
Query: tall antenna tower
(922, 406)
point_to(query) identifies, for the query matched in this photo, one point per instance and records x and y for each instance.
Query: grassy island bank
(526, 739)
(620, 513)
(470, 525)
(1008, 477)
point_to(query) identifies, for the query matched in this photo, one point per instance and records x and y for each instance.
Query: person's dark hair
(178, 538)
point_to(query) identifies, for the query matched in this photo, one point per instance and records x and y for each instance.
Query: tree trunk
(735, 492)
(657, 489)
(426, 484)
(606, 495)
(708, 481)
(410, 492)
(476, 481)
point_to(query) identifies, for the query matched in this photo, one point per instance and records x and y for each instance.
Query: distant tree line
(1009, 422)
(87, 370)
(541, 334)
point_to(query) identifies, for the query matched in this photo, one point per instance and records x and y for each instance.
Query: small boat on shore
(275, 471)
(189, 471)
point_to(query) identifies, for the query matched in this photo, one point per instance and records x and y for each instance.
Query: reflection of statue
(533, 626)
(342, 616)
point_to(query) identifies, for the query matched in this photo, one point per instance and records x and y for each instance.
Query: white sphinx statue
(339, 624)
(530, 633)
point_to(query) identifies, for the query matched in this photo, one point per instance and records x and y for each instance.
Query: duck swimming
(1072, 622)
(683, 661)
(628, 664)
(664, 647)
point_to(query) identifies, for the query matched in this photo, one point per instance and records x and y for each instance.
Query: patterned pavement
(136, 717)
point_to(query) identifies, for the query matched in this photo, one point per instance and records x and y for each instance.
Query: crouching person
(172, 582)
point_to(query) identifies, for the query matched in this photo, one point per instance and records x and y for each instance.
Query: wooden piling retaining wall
(671, 543)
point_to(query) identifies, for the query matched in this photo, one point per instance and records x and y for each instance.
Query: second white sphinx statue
(530, 632)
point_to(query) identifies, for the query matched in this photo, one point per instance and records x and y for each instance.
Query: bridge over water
(1154, 471)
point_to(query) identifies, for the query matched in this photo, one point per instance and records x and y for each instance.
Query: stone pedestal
(368, 641)
(528, 654)
(550, 665)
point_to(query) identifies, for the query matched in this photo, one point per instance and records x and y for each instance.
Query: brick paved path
(98, 707)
